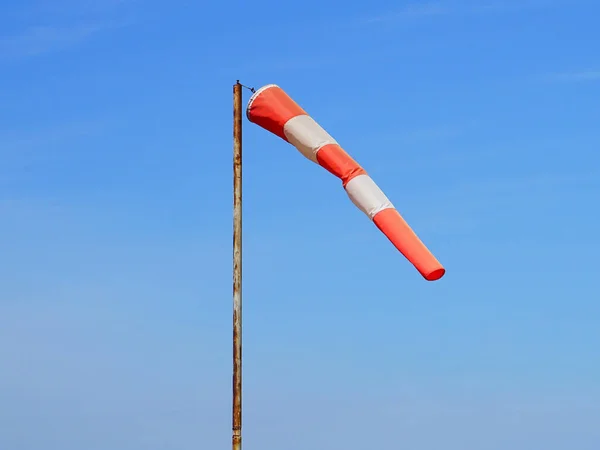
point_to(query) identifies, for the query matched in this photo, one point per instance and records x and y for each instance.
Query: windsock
(272, 109)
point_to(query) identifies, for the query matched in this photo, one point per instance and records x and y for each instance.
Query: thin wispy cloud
(38, 40)
(80, 8)
(433, 133)
(412, 12)
(423, 135)
(56, 26)
(574, 77)
(464, 208)
(23, 149)
(429, 9)
(504, 6)
(16, 142)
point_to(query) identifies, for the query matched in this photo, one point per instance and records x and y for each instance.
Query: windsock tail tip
(391, 223)
(435, 275)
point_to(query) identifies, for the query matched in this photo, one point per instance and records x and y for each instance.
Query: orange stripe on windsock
(333, 158)
(272, 109)
(391, 223)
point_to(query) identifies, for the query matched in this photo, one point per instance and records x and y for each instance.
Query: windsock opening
(271, 108)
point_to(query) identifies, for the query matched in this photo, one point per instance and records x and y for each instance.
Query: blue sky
(478, 119)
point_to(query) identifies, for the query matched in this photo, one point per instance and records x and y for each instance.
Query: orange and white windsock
(272, 109)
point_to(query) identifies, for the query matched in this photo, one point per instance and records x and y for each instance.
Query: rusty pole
(237, 267)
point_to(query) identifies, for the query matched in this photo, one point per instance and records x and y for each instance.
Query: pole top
(251, 89)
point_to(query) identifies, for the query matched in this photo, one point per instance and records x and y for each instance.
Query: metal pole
(237, 267)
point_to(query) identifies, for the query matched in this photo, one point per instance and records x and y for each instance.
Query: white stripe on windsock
(367, 196)
(307, 136)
